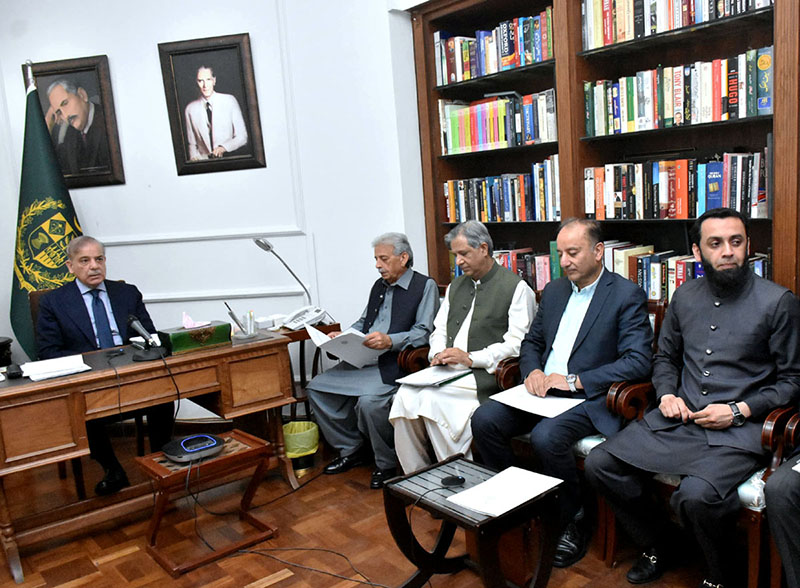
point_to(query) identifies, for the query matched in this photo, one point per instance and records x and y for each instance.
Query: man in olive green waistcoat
(483, 319)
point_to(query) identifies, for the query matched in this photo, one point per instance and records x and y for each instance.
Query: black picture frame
(228, 60)
(85, 139)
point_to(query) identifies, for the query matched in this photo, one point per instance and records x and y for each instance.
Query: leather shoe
(709, 584)
(114, 481)
(650, 566)
(571, 546)
(344, 463)
(380, 476)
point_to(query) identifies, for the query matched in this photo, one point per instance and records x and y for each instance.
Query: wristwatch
(738, 417)
(571, 379)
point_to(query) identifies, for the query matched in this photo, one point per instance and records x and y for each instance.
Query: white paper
(504, 491)
(347, 346)
(549, 406)
(436, 375)
(52, 368)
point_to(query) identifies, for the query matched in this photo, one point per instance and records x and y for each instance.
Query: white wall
(338, 114)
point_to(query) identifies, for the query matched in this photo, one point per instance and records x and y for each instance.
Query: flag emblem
(41, 247)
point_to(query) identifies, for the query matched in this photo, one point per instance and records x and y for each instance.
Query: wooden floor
(327, 514)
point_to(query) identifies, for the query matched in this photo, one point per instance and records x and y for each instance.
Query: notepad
(436, 375)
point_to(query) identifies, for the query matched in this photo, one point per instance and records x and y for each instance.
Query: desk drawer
(148, 392)
(41, 429)
(257, 380)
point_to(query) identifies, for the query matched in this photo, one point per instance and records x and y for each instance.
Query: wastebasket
(302, 440)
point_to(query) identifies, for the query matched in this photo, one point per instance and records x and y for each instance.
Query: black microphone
(135, 324)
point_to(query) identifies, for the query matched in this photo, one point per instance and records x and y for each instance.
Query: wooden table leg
(427, 562)
(546, 528)
(162, 499)
(274, 417)
(8, 538)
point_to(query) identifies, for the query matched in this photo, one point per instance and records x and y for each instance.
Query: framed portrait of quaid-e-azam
(212, 104)
(78, 107)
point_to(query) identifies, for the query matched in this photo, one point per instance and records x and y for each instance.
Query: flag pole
(30, 81)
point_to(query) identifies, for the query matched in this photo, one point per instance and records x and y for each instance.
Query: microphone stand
(267, 246)
(149, 353)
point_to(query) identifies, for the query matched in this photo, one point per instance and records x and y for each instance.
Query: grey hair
(79, 243)
(68, 85)
(399, 243)
(594, 230)
(474, 232)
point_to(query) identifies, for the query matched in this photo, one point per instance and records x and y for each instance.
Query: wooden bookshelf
(778, 26)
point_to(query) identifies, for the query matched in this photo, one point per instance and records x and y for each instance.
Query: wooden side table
(241, 451)
(484, 532)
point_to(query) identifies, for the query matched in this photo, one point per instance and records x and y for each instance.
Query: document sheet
(52, 368)
(549, 406)
(504, 491)
(348, 346)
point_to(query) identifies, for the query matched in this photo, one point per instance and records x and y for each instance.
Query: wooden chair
(791, 440)
(632, 400)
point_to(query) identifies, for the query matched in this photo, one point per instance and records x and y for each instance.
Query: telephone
(307, 315)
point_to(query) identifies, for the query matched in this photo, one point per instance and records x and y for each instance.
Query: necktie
(210, 126)
(104, 335)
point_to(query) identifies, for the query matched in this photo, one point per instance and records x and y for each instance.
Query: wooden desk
(45, 422)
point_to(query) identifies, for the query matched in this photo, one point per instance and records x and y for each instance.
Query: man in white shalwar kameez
(485, 314)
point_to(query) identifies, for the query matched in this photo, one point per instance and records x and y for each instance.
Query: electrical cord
(265, 553)
(420, 497)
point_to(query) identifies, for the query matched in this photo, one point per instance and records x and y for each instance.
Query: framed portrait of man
(78, 107)
(212, 104)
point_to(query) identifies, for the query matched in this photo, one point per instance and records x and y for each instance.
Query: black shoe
(709, 584)
(571, 546)
(344, 463)
(114, 481)
(650, 566)
(379, 476)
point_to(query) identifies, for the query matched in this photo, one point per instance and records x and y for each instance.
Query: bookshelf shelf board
(548, 147)
(764, 118)
(508, 78)
(659, 221)
(703, 33)
(491, 224)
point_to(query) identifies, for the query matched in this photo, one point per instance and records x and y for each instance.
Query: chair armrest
(792, 435)
(507, 373)
(774, 433)
(413, 359)
(632, 400)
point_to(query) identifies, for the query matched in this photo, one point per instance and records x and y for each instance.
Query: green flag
(46, 222)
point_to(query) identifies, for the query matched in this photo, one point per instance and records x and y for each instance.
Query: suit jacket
(64, 326)
(228, 126)
(614, 342)
(76, 154)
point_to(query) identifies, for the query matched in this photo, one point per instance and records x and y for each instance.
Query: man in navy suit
(591, 330)
(91, 313)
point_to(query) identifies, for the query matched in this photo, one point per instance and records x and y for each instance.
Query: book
(764, 80)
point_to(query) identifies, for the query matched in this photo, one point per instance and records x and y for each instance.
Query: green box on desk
(181, 340)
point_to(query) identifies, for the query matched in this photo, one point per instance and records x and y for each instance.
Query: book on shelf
(677, 189)
(516, 42)
(497, 121)
(508, 197)
(606, 22)
(701, 92)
